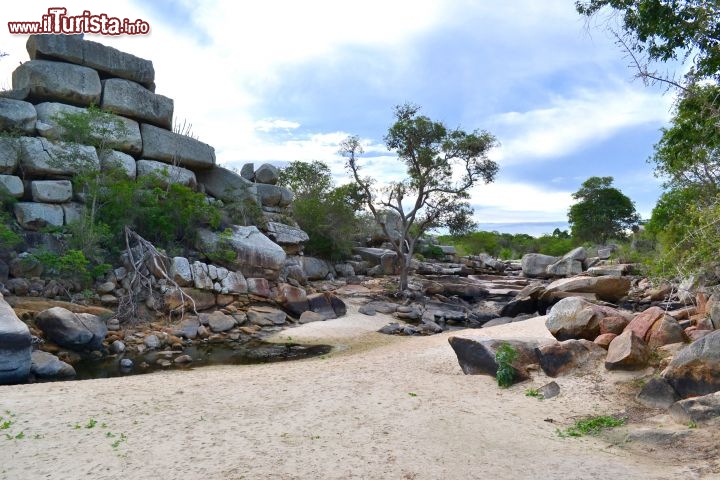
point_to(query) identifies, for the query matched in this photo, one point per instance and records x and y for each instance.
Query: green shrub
(433, 251)
(504, 356)
(72, 265)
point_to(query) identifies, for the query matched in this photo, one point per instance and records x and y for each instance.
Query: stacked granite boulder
(66, 75)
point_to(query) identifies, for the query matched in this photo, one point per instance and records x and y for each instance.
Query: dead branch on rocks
(144, 263)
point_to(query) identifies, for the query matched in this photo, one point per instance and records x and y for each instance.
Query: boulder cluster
(681, 339)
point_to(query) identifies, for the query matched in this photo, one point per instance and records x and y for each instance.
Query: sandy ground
(381, 407)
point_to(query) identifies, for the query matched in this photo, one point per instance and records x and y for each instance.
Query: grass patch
(533, 392)
(591, 426)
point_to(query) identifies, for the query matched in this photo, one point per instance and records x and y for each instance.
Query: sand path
(381, 408)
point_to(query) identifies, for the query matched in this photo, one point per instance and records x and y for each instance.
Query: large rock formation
(15, 346)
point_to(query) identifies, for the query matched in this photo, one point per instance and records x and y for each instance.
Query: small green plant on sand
(504, 357)
(591, 426)
(533, 392)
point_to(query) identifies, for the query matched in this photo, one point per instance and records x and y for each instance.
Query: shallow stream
(249, 353)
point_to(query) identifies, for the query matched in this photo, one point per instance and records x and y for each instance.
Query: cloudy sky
(283, 80)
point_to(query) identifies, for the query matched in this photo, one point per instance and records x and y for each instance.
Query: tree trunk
(403, 266)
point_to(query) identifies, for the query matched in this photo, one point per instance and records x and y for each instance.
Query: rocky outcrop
(314, 268)
(12, 185)
(51, 191)
(15, 346)
(42, 158)
(384, 258)
(570, 264)
(273, 195)
(293, 299)
(35, 216)
(657, 393)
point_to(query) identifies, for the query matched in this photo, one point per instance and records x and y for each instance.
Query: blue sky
(288, 80)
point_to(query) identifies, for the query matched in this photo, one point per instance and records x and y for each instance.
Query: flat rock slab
(74, 49)
(17, 116)
(112, 131)
(266, 316)
(40, 157)
(166, 174)
(701, 410)
(169, 147)
(39, 80)
(606, 288)
(46, 365)
(227, 185)
(36, 216)
(135, 101)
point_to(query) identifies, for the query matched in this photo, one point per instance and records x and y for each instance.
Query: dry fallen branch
(144, 260)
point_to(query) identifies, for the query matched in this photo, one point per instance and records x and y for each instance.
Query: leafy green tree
(430, 196)
(688, 154)
(601, 212)
(663, 30)
(325, 212)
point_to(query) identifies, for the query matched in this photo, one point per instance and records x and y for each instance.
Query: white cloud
(572, 123)
(220, 83)
(503, 201)
(270, 125)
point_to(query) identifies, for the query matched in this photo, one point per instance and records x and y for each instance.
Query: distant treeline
(508, 246)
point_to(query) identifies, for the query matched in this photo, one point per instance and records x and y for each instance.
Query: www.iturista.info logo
(58, 21)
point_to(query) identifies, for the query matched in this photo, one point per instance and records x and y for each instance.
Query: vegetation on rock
(328, 214)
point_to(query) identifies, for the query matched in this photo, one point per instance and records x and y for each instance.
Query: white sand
(382, 408)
